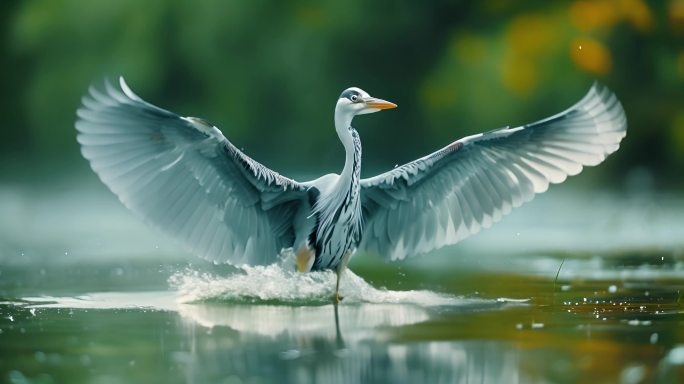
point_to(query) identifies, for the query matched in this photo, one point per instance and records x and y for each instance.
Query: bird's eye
(354, 98)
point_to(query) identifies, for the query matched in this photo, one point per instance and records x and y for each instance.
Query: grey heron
(182, 175)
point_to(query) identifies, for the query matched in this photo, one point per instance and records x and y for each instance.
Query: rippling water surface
(568, 289)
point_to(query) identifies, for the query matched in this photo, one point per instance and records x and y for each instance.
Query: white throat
(343, 120)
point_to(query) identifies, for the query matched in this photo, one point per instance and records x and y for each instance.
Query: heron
(183, 176)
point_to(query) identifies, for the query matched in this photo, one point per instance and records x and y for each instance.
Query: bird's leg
(337, 297)
(338, 271)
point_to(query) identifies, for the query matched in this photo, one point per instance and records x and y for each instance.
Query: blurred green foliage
(268, 73)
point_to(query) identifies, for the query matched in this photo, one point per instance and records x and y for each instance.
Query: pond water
(571, 288)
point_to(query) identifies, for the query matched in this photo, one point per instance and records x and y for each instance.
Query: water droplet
(612, 289)
(654, 338)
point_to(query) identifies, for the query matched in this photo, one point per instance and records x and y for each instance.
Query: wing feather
(473, 182)
(182, 175)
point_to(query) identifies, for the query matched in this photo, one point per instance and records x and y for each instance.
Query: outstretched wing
(449, 195)
(182, 175)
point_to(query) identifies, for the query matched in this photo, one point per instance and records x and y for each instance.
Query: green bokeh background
(268, 74)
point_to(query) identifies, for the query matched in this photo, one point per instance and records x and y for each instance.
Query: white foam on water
(273, 284)
(156, 300)
(264, 286)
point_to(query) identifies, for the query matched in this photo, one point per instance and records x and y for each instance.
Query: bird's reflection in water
(350, 343)
(339, 341)
(356, 322)
(332, 344)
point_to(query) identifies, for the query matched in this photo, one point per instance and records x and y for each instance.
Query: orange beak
(379, 104)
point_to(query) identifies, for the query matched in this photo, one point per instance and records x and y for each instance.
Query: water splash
(275, 285)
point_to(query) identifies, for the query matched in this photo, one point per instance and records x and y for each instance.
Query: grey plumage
(182, 175)
(472, 183)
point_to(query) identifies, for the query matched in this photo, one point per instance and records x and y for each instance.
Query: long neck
(352, 148)
(342, 202)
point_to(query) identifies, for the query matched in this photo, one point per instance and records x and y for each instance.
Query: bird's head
(355, 101)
